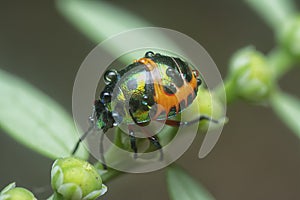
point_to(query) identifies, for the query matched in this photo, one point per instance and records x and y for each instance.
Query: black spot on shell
(186, 71)
(149, 54)
(170, 72)
(177, 80)
(134, 104)
(149, 90)
(120, 109)
(190, 99)
(170, 89)
(182, 105)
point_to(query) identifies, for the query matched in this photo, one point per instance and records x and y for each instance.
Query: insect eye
(149, 54)
(110, 76)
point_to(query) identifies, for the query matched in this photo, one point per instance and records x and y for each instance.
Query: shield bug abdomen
(156, 85)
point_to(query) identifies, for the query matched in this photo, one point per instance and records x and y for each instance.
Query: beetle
(153, 88)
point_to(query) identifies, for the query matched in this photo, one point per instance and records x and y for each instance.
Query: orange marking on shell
(148, 62)
(165, 100)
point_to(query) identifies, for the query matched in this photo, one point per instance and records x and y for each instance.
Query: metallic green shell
(132, 86)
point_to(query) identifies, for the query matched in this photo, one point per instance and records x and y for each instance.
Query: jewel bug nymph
(153, 88)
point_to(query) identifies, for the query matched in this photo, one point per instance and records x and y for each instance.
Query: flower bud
(11, 192)
(75, 179)
(251, 76)
(289, 37)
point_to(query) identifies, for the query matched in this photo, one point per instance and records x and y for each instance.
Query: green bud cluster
(75, 179)
(289, 37)
(11, 192)
(250, 76)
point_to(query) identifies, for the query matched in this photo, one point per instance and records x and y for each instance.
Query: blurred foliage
(35, 120)
(287, 109)
(183, 187)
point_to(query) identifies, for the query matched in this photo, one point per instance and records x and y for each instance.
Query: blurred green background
(257, 157)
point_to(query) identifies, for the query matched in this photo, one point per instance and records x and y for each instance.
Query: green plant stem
(51, 197)
(280, 61)
(230, 91)
(109, 174)
(287, 108)
(274, 12)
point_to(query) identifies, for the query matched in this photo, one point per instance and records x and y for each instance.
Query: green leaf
(98, 19)
(182, 187)
(35, 120)
(287, 109)
(7, 188)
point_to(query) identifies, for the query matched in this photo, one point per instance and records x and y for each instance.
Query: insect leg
(176, 123)
(93, 126)
(132, 141)
(81, 139)
(154, 140)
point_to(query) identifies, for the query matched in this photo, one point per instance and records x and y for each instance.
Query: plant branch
(274, 12)
(280, 61)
